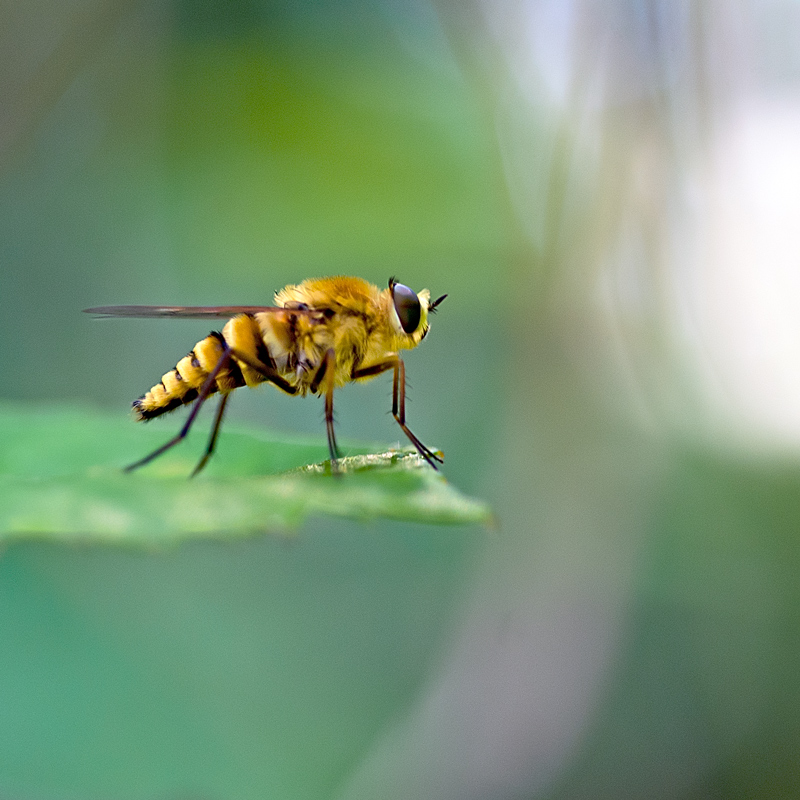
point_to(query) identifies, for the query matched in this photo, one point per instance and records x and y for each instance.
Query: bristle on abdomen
(182, 385)
(156, 402)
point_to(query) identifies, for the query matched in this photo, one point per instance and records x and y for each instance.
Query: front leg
(398, 400)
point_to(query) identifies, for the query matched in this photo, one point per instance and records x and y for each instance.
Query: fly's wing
(185, 312)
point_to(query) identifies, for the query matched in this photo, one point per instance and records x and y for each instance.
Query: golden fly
(321, 334)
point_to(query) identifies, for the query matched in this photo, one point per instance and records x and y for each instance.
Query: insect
(320, 334)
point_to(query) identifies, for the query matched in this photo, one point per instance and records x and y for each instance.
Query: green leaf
(61, 478)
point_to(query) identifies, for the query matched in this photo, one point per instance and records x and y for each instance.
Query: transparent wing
(186, 312)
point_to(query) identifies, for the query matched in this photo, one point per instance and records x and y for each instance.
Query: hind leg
(208, 387)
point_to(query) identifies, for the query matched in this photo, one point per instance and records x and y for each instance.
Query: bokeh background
(609, 194)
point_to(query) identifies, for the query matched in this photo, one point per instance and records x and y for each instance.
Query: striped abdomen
(182, 385)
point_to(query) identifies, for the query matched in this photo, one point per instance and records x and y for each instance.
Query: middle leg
(325, 377)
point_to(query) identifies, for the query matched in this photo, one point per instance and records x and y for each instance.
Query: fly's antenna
(432, 306)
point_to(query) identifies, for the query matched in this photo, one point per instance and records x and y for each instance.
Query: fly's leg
(399, 413)
(212, 440)
(201, 398)
(399, 401)
(269, 373)
(325, 376)
(329, 386)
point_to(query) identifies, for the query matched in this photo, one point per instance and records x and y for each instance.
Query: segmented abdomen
(270, 339)
(182, 384)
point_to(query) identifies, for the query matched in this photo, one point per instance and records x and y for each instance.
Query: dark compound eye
(406, 303)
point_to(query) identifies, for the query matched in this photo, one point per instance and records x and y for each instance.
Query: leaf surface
(61, 478)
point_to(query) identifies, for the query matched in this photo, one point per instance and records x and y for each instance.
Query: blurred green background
(609, 195)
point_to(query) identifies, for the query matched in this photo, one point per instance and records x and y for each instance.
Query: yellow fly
(320, 334)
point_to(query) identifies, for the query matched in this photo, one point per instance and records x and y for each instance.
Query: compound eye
(406, 304)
